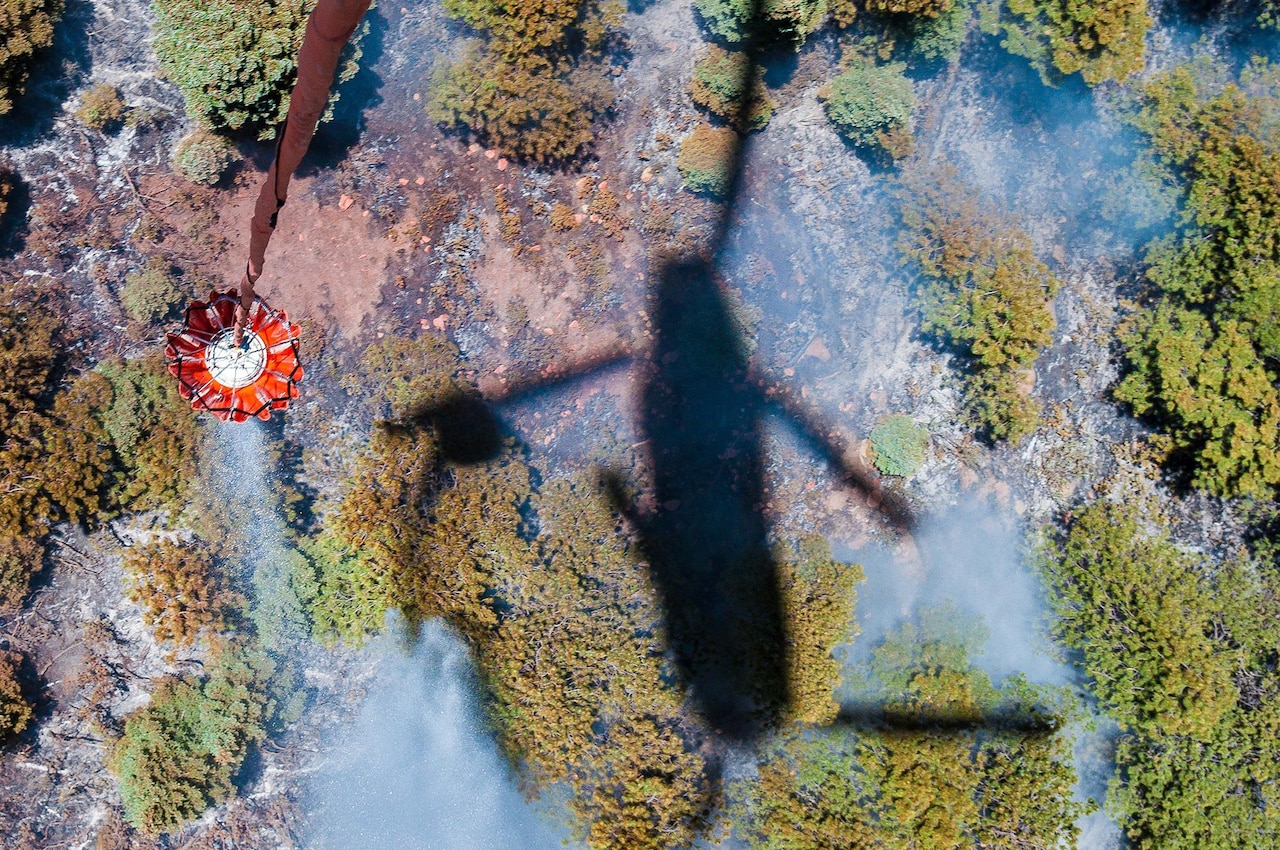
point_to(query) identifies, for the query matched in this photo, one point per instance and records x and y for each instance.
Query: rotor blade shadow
(517, 385)
(885, 719)
(840, 454)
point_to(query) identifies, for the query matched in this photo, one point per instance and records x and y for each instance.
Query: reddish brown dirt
(324, 262)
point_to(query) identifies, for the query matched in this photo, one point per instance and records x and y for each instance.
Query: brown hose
(328, 30)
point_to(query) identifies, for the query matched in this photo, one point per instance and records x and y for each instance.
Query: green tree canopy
(1140, 611)
(180, 753)
(1202, 355)
(783, 21)
(1182, 651)
(235, 61)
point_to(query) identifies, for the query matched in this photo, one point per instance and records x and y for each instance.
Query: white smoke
(247, 491)
(969, 558)
(419, 769)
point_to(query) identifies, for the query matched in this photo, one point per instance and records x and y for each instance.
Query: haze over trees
(934, 784)
(1100, 40)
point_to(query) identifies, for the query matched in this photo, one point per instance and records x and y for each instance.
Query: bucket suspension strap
(328, 30)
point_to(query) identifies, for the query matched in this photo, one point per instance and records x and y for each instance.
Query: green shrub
(15, 708)
(1215, 398)
(818, 595)
(180, 753)
(940, 38)
(28, 352)
(717, 86)
(27, 27)
(154, 293)
(785, 21)
(101, 108)
(204, 157)
(868, 103)
(899, 445)
(706, 159)
(54, 458)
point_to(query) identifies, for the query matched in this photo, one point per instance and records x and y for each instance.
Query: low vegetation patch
(101, 108)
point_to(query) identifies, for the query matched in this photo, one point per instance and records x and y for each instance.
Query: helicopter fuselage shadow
(704, 534)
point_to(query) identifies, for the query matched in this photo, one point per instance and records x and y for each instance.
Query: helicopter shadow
(701, 521)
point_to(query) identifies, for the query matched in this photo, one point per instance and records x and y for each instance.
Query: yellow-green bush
(101, 108)
(178, 589)
(707, 158)
(153, 293)
(869, 103)
(983, 291)
(15, 708)
(717, 87)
